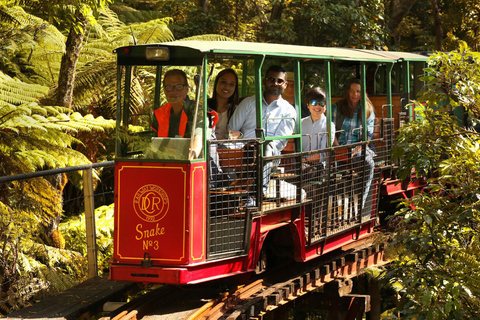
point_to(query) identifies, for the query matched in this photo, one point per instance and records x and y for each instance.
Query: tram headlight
(157, 53)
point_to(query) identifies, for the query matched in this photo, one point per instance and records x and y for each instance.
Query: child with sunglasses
(314, 127)
(315, 137)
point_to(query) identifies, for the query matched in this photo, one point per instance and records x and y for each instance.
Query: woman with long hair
(224, 100)
(347, 114)
(348, 118)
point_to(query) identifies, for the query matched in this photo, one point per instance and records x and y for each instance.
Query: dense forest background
(57, 96)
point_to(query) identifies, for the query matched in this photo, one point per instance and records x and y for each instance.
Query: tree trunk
(66, 78)
(276, 12)
(438, 25)
(203, 4)
(399, 9)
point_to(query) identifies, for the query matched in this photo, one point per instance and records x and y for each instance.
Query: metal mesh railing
(233, 195)
(64, 198)
(342, 192)
(338, 187)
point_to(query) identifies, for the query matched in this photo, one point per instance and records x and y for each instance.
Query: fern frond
(6, 17)
(34, 48)
(14, 91)
(153, 31)
(209, 37)
(131, 16)
(109, 22)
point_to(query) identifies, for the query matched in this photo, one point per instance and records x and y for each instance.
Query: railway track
(262, 296)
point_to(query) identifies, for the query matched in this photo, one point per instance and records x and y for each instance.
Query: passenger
(217, 176)
(314, 127)
(224, 100)
(347, 116)
(278, 117)
(289, 94)
(175, 119)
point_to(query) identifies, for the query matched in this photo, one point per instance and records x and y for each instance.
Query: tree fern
(208, 37)
(14, 91)
(33, 48)
(74, 230)
(95, 88)
(34, 137)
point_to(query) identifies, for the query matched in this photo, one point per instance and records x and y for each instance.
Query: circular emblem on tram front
(151, 203)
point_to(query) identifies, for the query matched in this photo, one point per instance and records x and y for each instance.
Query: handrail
(42, 173)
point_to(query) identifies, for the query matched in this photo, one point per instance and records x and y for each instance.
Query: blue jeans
(368, 172)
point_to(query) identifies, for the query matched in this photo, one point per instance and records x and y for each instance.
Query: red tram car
(178, 223)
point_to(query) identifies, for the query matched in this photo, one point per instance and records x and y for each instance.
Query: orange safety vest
(213, 117)
(163, 118)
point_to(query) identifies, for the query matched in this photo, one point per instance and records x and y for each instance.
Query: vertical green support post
(298, 103)
(406, 82)
(204, 98)
(363, 80)
(388, 70)
(328, 100)
(258, 94)
(244, 77)
(119, 110)
(158, 87)
(126, 97)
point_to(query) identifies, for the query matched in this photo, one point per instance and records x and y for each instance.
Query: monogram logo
(151, 203)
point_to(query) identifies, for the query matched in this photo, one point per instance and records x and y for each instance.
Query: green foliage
(31, 50)
(356, 24)
(67, 14)
(37, 136)
(74, 232)
(462, 23)
(417, 31)
(331, 23)
(29, 269)
(437, 241)
(453, 79)
(95, 88)
(34, 137)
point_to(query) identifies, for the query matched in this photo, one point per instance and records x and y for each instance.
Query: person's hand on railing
(232, 134)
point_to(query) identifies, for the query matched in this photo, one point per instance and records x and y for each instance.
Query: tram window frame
(137, 142)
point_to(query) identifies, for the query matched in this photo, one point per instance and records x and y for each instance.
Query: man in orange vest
(175, 119)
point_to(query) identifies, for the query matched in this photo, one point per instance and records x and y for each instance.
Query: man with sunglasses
(278, 117)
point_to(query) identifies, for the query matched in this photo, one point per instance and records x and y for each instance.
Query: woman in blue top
(348, 118)
(347, 114)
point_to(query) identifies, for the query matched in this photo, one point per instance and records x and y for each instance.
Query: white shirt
(314, 134)
(278, 120)
(221, 129)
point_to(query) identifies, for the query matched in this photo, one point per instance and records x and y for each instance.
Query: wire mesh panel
(346, 190)
(403, 118)
(315, 178)
(383, 146)
(281, 181)
(343, 193)
(232, 195)
(370, 206)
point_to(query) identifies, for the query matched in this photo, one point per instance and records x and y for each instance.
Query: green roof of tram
(196, 49)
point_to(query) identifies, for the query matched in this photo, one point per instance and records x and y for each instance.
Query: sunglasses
(315, 102)
(178, 87)
(275, 80)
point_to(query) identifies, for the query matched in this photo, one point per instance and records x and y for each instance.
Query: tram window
(144, 130)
